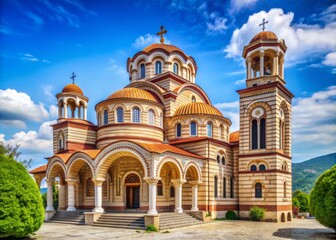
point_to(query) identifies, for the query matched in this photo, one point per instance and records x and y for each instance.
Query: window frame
(138, 115)
(193, 123)
(120, 117)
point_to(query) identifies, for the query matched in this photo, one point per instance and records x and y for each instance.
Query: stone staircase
(170, 220)
(127, 221)
(65, 217)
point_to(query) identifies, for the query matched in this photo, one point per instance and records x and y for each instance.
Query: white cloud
(53, 110)
(146, 40)
(47, 90)
(19, 106)
(13, 123)
(32, 141)
(314, 123)
(231, 111)
(218, 25)
(330, 59)
(241, 81)
(237, 5)
(304, 41)
(115, 68)
(29, 58)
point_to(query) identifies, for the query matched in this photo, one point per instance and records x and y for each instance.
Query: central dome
(267, 35)
(72, 88)
(195, 108)
(166, 47)
(134, 93)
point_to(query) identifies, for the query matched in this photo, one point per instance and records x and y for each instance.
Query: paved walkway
(233, 230)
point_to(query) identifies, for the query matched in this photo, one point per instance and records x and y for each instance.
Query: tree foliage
(13, 153)
(300, 200)
(323, 198)
(257, 213)
(21, 207)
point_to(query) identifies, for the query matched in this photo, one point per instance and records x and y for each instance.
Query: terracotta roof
(72, 88)
(195, 108)
(40, 169)
(234, 137)
(92, 153)
(161, 148)
(134, 93)
(264, 35)
(166, 47)
(187, 140)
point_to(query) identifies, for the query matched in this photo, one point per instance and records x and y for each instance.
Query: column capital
(261, 53)
(50, 180)
(152, 180)
(178, 182)
(98, 181)
(71, 181)
(195, 183)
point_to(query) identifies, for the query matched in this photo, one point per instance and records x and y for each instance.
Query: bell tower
(265, 178)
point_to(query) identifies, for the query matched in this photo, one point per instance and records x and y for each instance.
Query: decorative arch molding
(79, 156)
(128, 148)
(169, 160)
(194, 119)
(148, 86)
(283, 105)
(255, 104)
(52, 163)
(140, 58)
(257, 162)
(161, 55)
(124, 177)
(196, 166)
(176, 57)
(196, 89)
(258, 181)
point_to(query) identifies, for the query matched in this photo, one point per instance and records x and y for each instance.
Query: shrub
(151, 228)
(323, 199)
(257, 213)
(21, 211)
(301, 201)
(231, 215)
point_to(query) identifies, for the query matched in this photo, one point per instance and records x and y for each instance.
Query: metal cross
(73, 77)
(263, 24)
(161, 33)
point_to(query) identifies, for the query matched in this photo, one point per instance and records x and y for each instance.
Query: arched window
(258, 190)
(151, 117)
(193, 128)
(231, 187)
(262, 167)
(120, 115)
(172, 191)
(178, 130)
(282, 134)
(105, 117)
(253, 168)
(262, 133)
(218, 159)
(223, 160)
(254, 134)
(284, 166)
(209, 129)
(158, 67)
(193, 99)
(176, 68)
(159, 189)
(216, 187)
(285, 189)
(136, 115)
(224, 187)
(60, 144)
(221, 131)
(60, 141)
(142, 70)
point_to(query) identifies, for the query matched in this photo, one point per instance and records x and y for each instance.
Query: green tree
(13, 152)
(301, 199)
(323, 199)
(21, 207)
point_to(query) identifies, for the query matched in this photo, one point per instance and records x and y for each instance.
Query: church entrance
(132, 184)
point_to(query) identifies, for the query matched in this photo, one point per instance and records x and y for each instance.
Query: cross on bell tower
(73, 76)
(161, 33)
(263, 24)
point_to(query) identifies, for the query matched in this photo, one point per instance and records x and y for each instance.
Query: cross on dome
(161, 33)
(73, 76)
(263, 24)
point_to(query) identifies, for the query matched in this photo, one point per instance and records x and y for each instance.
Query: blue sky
(42, 42)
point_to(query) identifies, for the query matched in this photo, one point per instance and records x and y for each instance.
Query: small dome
(166, 47)
(199, 108)
(134, 93)
(267, 35)
(234, 137)
(72, 88)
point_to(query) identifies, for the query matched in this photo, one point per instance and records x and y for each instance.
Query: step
(121, 224)
(119, 217)
(113, 225)
(120, 220)
(67, 222)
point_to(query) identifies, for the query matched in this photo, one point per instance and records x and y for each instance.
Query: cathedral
(159, 145)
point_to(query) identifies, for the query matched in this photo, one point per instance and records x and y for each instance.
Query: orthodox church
(159, 144)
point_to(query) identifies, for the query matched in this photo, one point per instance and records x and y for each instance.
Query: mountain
(306, 173)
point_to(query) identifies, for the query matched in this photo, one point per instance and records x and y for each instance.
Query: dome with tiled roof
(72, 88)
(267, 35)
(167, 47)
(132, 93)
(234, 137)
(197, 108)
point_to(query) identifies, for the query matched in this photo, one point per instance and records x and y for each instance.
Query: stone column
(61, 197)
(282, 68)
(276, 64)
(85, 112)
(178, 194)
(71, 194)
(50, 200)
(152, 184)
(79, 112)
(98, 182)
(65, 112)
(249, 68)
(261, 63)
(194, 187)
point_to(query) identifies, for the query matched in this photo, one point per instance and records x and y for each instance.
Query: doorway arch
(132, 184)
